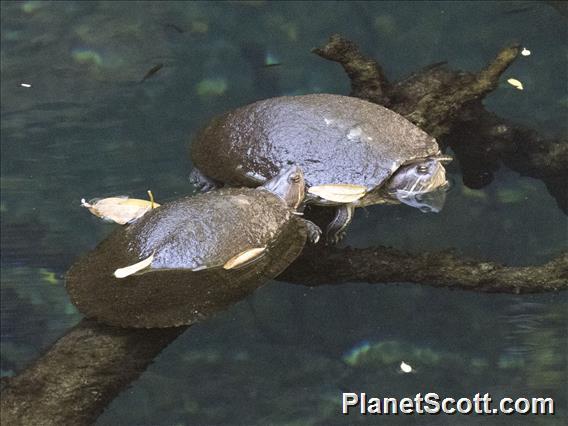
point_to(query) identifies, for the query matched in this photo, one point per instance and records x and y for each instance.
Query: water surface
(89, 127)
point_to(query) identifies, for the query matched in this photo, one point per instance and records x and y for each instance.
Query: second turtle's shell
(333, 138)
(201, 231)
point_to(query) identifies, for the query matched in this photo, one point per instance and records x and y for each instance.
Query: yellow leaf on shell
(132, 269)
(119, 209)
(244, 258)
(339, 192)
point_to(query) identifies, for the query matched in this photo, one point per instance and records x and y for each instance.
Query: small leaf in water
(515, 83)
(525, 52)
(132, 269)
(405, 368)
(244, 258)
(339, 192)
(121, 210)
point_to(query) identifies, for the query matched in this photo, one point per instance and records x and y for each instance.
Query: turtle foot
(201, 182)
(338, 226)
(314, 232)
(334, 239)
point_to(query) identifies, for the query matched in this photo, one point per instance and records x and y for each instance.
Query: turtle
(193, 256)
(354, 153)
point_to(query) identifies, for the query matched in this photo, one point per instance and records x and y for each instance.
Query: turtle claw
(201, 182)
(334, 238)
(314, 232)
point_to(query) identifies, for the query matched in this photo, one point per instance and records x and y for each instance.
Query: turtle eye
(422, 170)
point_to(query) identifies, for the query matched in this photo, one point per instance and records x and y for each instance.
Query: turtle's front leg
(336, 229)
(314, 232)
(201, 182)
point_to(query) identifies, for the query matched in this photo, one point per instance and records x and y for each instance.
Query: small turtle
(193, 256)
(353, 153)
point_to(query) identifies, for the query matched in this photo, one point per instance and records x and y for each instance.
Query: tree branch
(368, 80)
(447, 105)
(329, 265)
(81, 374)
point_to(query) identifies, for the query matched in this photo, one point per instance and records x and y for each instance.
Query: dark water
(87, 127)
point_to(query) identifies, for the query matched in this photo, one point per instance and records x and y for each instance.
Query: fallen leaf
(405, 368)
(515, 83)
(121, 210)
(339, 192)
(244, 257)
(132, 269)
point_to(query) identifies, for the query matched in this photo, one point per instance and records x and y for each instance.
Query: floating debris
(132, 269)
(339, 192)
(525, 52)
(27, 85)
(244, 258)
(515, 83)
(121, 210)
(405, 368)
(151, 72)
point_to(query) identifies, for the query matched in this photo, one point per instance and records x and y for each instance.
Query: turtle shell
(333, 138)
(190, 233)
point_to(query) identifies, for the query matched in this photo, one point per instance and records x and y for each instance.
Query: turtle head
(421, 184)
(289, 185)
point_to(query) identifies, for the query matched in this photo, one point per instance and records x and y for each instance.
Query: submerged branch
(89, 366)
(447, 105)
(482, 141)
(445, 93)
(368, 80)
(328, 265)
(81, 374)
(424, 98)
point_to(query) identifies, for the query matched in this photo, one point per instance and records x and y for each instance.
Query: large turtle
(353, 153)
(194, 256)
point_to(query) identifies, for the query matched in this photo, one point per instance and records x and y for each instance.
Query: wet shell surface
(187, 245)
(334, 139)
